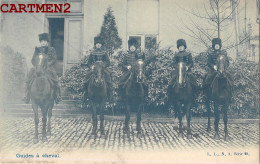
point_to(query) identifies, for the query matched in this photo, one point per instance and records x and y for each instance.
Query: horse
(135, 94)
(97, 93)
(42, 96)
(180, 94)
(220, 93)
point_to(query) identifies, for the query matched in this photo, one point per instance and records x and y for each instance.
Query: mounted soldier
(50, 52)
(218, 86)
(183, 56)
(213, 54)
(99, 54)
(127, 62)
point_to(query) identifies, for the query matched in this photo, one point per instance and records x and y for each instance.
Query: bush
(13, 73)
(245, 101)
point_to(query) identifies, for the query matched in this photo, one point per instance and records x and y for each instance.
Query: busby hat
(98, 39)
(132, 42)
(216, 41)
(44, 36)
(181, 42)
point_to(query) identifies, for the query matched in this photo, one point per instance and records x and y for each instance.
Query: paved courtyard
(70, 133)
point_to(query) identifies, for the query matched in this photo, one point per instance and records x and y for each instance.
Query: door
(56, 31)
(73, 41)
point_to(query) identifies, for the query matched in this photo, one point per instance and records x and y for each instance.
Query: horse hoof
(208, 129)
(227, 138)
(93, 132)
(175, 127)
(180, 135)
(48, 133)
(35, 140)
(189, 136)
(102, 132)
(217, 137)
(44, 139)
(126, 130)
(138, 134)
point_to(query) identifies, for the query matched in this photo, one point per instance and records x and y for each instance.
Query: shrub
(245, 102)
(13, 73)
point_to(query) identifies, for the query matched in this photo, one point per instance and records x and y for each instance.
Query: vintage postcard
(129, 81)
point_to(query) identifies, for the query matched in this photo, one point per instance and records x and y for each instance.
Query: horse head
(221, 67)
(98, 73)
(138, 70)
(41, 66)
(181, 74)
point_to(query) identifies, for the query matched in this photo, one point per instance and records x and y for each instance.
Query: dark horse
(220, 93)
(180, 94)
(135, 94)
(42, 96)
(97, 93)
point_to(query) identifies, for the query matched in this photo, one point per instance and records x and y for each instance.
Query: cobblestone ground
(69, 134)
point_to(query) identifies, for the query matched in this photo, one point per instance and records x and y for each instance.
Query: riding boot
(27, 97)
(109, 92)
(57, 94)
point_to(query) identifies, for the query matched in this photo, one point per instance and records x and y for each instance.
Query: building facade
(72, 34)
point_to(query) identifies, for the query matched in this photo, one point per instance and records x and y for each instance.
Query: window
(150, 42)
(143, 22)
(145, 41)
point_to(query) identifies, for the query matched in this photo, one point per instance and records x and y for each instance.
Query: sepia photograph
(129, 81)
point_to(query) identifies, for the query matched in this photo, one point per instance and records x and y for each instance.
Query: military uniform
(129, 59)
(212, 55)
(99, 54)
(186, 57)
(50, 72)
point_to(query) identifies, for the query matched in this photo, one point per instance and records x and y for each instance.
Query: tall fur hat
(44, 36)
(98, 39)
(181, 42)
(133, 42)
(216, 41)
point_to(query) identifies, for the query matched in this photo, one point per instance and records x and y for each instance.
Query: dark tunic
(129, 59)
(211, 62)
(51, 73)
(185, 57)
(98, 55)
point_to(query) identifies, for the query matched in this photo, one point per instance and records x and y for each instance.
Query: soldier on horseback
(213, 54)
(127, 62)
(183, 56)
(44, 49)
(99, 54)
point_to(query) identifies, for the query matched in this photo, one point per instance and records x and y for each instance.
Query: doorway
(56, 31)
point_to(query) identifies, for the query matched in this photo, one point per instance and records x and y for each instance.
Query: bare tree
(215, 21)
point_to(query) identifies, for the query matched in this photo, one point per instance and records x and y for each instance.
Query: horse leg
(94, 119)
(216, 113)
(188, 116)
(208, 114)
(138, 122)
(36, 121)
(180, 121)
(127, 118)
(225, 119)
(102, 119)
(44, 110)
(49, 118)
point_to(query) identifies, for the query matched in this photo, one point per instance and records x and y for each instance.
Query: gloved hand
(215, 67)
(129, 67)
